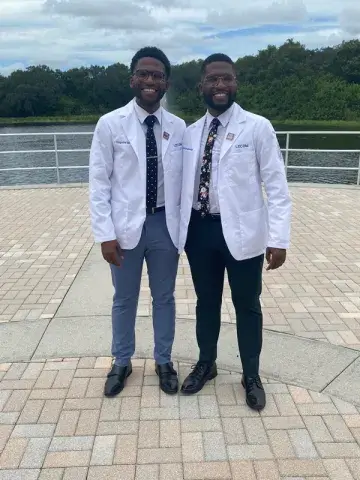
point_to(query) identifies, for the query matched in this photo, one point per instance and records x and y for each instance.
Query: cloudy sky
(70, 33)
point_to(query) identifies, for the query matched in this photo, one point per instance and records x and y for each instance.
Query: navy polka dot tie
(151, 163)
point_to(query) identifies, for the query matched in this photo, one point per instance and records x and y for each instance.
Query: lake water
(74, 175)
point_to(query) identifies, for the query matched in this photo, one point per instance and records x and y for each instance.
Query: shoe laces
(198, 370)
(252, 382)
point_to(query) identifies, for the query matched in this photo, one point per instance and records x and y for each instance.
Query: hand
(275, 257)
(112, 252)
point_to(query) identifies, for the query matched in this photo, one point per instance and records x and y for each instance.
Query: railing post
(287, 152)
(56, 160)
(358, 179)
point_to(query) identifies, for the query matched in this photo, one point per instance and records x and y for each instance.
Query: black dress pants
(208, 257)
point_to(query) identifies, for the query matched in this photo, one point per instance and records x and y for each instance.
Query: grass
(91, 119)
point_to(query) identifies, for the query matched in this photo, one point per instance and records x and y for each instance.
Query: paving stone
(150, 396)
(115, 472)
(13, 453)
(25, 474)
(67, 423)
(242, 470)
(96, 388)
(170, 433)
(125, 450)
(110, 410)
(202, 425)
(9, 418)
(154, 414)
(82, 404)
(280, 444)
(338, 428)
(31, 411)
(88, 422)
(266, 470)
(48, 394)
(249, 452)
(130, 408)
(67, 459)
(35, 453)
(283, 423)
(117, 428)
(301, 467)
(51, 474)
(51, 411)
(214, 446)
(302, 443)
(46, 380)
(317, 429)
(338, 450)
(29, 431)
(171, 470)
(254, 430)
(192, 447)
(225, 394)
(68, 444)
(208, 406)
(207, 471)
(189, 407)
(78, 388)
(75, 473)
(16, 401)
(148, 472)
(103, 451)
(158, 455)
(338, 470)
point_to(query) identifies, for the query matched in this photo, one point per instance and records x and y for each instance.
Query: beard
(139, 95)
(219, 107)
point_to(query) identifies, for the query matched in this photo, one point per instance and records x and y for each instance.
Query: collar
(224, 118)
(142, 114)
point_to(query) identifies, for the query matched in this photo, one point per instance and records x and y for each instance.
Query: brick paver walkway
(45, 237)
(55, 424)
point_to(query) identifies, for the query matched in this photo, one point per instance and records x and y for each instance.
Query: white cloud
(69, 33)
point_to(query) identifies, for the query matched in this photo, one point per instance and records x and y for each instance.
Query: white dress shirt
(142, 114)
(224, 119)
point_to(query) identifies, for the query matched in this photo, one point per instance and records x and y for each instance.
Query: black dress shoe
(255, 393)
(202, 372)
(116, 380)
(168, 378)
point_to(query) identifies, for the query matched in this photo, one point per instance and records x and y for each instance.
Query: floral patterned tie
(203, 198)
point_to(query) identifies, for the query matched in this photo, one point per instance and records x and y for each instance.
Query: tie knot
(150, 120)
(215, 122)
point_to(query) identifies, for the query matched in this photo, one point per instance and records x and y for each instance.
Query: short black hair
(152, 52)
(216, 57)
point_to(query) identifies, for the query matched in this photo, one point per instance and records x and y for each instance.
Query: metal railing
(286, 151)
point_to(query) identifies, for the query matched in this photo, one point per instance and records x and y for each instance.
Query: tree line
(286, 82)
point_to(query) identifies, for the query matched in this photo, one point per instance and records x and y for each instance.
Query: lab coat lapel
(167, 130)
(135, 134)
(235, 127)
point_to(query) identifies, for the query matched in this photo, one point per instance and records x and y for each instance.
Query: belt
(152, 210)
(209, 216)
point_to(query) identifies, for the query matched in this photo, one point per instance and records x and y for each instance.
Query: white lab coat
(250, 154)
(117, 176)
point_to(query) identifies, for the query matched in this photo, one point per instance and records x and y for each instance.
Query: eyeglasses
(215, 79)
(145, 74)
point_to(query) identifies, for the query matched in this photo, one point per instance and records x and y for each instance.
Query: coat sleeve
(272, 172)
(100, 171)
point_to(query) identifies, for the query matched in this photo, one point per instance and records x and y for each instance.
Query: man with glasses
(225, 223)
(135, 187)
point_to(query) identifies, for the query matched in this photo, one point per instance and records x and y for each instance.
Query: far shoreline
(92, 119)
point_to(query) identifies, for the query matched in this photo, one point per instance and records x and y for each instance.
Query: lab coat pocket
(254, 231)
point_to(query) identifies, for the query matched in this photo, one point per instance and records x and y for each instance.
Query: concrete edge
(275, 342)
